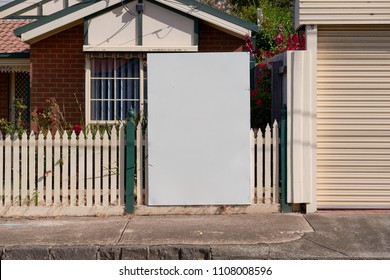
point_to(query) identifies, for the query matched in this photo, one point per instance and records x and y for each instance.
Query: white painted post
(89, 167)
(259, 169)
(312, 46)
(82, 169)
(113, 174)
(267, 167)
(32, 171)
(15, 171)
(275, 143)
(41, 170)
(49, 169)
(73, 169)
(24, 170)
(105, 169)
(252, 165)
(57, 170)
(65, 169)
(98, 169)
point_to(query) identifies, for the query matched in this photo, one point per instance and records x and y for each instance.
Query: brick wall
(214, 40)
(57, 70)
(4, 95)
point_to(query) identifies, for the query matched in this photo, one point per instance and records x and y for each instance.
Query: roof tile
(9, 43)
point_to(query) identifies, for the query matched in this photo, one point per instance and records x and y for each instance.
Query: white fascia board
(16, 8)
(140, 48)
(224, 24)
(49, 27)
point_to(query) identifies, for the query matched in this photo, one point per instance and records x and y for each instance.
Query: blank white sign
(198, 129)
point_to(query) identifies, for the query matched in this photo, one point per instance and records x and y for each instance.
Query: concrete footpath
(334, 235)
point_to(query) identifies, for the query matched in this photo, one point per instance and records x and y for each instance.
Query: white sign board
(198, 129)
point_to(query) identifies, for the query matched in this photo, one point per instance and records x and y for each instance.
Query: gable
(33, 9)
(159, 28)
(47, 26)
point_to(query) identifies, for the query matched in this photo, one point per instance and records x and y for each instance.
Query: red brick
(214, 40)
(62, 75)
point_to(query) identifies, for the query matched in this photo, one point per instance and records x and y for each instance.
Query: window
(116, 85)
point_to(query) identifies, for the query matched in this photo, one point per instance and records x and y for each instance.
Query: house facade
(339, 113)
(92, 55)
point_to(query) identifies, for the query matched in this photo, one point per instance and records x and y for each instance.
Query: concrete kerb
(92, 252)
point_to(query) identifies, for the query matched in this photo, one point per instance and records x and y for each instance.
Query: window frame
(89, 79)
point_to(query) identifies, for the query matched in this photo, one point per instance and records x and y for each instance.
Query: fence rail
(76, 171)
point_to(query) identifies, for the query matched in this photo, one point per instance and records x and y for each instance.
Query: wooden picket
(45, 174)
(265, 166)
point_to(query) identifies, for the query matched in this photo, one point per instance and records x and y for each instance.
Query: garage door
(353, 117)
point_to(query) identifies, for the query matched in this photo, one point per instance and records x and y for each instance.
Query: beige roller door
(353, 117)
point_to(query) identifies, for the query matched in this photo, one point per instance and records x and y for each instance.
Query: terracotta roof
(9, 43)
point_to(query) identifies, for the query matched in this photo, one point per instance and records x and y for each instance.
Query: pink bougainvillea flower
(262, 64)
(302, 41)
(77, 128)
(259, 102)
(279, 39)
(293, 42)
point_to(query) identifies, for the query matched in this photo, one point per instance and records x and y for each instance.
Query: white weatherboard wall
(198, 129)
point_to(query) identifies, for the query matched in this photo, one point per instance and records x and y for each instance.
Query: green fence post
(283, 161)
(130, 162)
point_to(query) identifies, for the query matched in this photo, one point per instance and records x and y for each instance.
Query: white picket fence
(62, 175)
(265, 166)
(85, 175)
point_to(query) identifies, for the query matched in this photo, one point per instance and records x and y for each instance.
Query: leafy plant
(18, 126)
(50, 117)
(261, 96)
